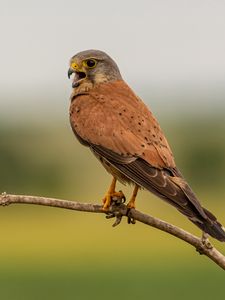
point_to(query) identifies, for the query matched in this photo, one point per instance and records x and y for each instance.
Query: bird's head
(92, 67)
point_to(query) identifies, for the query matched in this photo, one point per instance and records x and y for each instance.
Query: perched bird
(109, 118)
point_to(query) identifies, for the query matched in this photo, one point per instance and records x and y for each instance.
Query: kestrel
(109, 118)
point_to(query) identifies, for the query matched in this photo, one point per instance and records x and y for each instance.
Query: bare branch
(119, 210)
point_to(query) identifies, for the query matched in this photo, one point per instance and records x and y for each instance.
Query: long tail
(211, 226)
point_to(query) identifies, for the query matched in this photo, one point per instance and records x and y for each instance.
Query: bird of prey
(110, 119)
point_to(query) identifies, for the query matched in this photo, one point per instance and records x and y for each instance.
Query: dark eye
(91, 63)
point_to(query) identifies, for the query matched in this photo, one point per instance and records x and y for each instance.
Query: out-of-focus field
(48, 253)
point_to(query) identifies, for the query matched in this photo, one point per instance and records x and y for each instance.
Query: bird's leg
(110, 194)
(131, 203)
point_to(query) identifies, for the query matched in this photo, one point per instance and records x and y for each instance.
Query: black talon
(118, 220)
(123, 199)
(116, 215)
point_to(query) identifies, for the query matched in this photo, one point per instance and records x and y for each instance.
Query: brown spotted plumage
(108, 117)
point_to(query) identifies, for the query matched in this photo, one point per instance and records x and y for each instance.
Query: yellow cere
(74, 66)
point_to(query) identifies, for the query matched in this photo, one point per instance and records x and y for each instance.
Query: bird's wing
(169, 185)
(166, 183)
(118, 126)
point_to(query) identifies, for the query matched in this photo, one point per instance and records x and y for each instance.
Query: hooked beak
(70, 72)
(78, 76)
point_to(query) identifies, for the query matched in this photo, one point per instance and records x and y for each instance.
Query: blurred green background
(49, 253)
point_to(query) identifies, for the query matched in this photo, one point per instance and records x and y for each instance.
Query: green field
(123, 282)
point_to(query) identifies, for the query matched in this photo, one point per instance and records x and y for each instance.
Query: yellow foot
(109, 197)
(131, 203)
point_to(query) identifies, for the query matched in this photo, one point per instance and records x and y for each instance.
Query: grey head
(93, 67)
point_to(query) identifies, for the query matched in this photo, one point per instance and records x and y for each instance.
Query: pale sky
(163, 48)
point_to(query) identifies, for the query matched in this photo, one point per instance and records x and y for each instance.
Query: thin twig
(119, 210)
